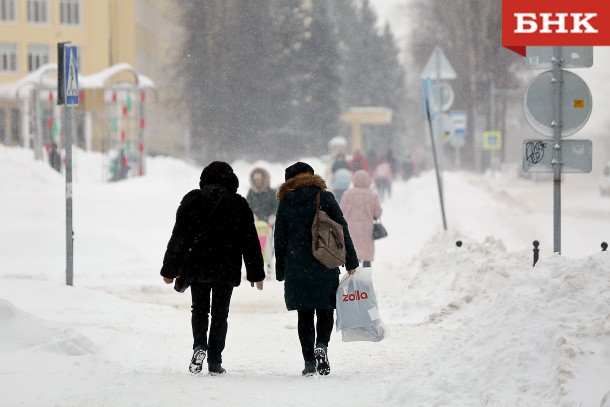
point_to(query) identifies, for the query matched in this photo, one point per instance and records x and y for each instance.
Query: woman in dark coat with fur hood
(209, 249)
(309, 286)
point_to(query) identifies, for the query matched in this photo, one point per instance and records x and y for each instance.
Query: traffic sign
(438, 66)
(71, 74)
(572, 57)
(459, 121)
(576, 156)
(540, 109)
(442, 97)
(492, 140)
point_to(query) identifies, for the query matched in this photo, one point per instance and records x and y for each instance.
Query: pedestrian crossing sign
(71, 74)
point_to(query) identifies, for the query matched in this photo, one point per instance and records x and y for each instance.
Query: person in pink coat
(360, 205)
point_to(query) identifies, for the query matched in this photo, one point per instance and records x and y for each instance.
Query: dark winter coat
(262, 200)
(227, 236)
(308, 284)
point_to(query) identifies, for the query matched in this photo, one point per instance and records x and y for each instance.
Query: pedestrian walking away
(214, 230)
(54, 158)
(361, 207)
(309, 286)
(263, 202)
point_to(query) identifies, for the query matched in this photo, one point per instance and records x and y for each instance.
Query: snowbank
(545, 340)
(23, 331)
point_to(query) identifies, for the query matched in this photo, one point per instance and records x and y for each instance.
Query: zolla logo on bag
(357, 296)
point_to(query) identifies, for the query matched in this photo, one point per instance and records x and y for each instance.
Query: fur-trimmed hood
(300, 181)
(266, 179)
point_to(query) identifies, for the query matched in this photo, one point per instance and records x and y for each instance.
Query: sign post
(438, 97)
(557, 124)
(557, 103)
(67, 86)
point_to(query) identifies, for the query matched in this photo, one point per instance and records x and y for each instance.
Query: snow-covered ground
(470, 325)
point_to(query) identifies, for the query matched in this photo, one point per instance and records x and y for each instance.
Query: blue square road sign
(71, 74)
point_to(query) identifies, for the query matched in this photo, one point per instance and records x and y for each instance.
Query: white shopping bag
(357, 312)
(373, 333)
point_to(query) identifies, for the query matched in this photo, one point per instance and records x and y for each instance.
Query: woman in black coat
(309, 286)
(214, 229)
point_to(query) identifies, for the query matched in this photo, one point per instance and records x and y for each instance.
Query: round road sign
(444, 92)
(539, 104)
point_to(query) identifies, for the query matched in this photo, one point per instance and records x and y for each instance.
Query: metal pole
(556, 162)
(438, 177)
(69, 231)
(492, 119)
(38, 115)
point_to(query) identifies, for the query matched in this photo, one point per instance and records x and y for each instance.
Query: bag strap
(317, 236)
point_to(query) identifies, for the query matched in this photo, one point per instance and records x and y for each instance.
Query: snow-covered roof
(99, 80)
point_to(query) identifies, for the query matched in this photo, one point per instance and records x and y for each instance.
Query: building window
(69, 12)
(38, 11)
(37, 55)
(8, 57)
(7, 10)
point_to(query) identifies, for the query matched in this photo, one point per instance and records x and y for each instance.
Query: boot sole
(322, 365)
(195, 368)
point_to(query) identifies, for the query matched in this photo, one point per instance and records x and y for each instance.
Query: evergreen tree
(371, 72)
(321, 83)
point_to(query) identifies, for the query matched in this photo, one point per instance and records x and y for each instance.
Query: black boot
(310, 368)
(197, 361)
(216, 369)
(321, 355)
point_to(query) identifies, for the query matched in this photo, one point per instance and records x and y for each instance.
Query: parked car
(604, 181)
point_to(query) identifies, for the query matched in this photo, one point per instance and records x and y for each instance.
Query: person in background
(339, 163)
(358, 162)
(55, 158)
(263, 203)
(309, 286)
(361, 207)
(261, 197)
(342, 176)
(121, 166)
(383, 178)
(214, 229)
(408, 167)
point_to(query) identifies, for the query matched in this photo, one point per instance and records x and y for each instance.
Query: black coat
(227, 236)
(308, 284)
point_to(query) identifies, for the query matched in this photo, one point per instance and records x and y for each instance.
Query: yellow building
(103, 31)
(110, 115)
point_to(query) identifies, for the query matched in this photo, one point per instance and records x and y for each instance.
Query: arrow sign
(71, 74)
(438, 66)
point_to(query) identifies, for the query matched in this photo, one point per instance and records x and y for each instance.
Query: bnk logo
(356, 296)
(555, 23)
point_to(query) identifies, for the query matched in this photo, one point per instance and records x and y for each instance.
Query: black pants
(220, 299)
(307, 333)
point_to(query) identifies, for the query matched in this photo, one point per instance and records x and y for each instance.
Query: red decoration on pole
(142, 96)
(124, 110)
(142, 123)
(50, 123)
(114, 97)
(141, 147)
(123, 136)
(50, 96)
